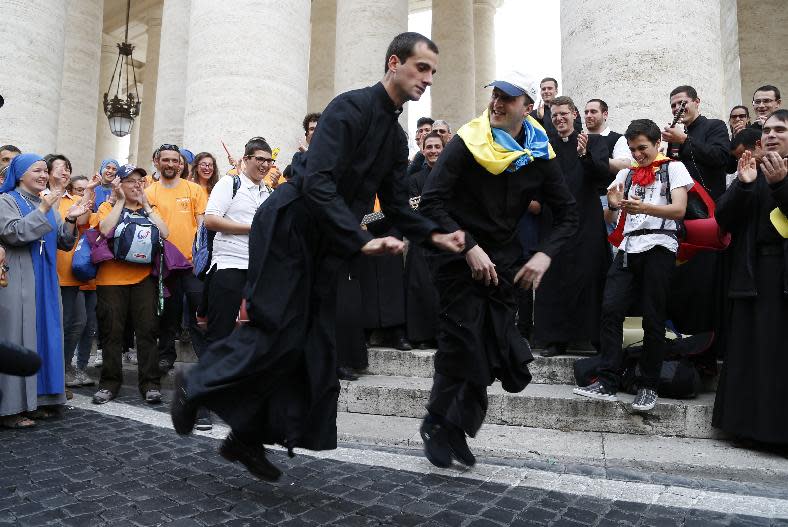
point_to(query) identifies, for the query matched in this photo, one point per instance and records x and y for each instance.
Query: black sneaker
(253, 458)
(182, 412)
(436, 442)
(204, 421)
(459, 446)
(554, 349)
(645, 400)
(596, 391)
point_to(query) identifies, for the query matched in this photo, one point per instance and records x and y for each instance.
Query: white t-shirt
(231, 251)
(621, 148)
(655, 194)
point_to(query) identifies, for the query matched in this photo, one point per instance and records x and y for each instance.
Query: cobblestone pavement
(94, 469)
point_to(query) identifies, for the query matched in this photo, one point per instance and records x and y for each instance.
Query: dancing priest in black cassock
(274, 380)
(482, 183)
(568, 305)
(752, 392)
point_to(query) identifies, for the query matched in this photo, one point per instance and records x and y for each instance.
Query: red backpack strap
(617, 236)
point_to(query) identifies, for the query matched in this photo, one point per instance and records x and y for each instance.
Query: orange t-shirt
(179, 207)
(117, 272)
(64, 273)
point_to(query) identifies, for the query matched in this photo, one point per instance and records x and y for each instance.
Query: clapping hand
(117, 190)
(49, 200)
(615, 195)
(385, 245)
(634, 205)
(746, 169)
(76, 210)
(774, 167)
(582, 143)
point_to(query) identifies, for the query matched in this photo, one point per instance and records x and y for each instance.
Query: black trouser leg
(224, 294)
(170, 320)
(616, 299)
(192, 288)
(112, 308)
(656, 271)
(459, 402)
(142, 308)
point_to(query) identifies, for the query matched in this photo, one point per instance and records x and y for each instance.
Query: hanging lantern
(124, 106)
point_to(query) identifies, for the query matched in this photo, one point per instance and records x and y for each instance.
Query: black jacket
(705, 153)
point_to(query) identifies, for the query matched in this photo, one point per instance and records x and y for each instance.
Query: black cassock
(569, 301)
(752, 392)
(421, 297)
(350, 340)
(477, 337)
(382, 284)
(274, 380)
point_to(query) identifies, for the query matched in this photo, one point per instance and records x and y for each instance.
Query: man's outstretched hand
(380, 246)
(453, 242)
(530, 275)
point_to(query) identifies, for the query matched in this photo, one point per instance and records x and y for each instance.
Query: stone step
(419, 363)
(552, 406)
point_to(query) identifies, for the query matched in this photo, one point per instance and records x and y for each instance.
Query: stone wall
(762, 34)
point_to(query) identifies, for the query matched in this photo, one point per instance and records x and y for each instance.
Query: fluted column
(143, 147)
(247, 74)
(76, 136)
(321, 55)
(31, 54)
(107, 145)
(484, 51)
(610, 53)
(172, 71)
(453, 91)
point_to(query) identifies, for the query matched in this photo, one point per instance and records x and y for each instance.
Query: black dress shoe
(436, 442)
(253, 458)
(459, 446)
(182, 412)
(346, 374)
(553, 350)
(428, 345)
(403, 344)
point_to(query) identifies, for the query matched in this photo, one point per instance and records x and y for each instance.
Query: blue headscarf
(187, 155)
(103, 192)
(106, 162)
(19, 165)
(49, 327)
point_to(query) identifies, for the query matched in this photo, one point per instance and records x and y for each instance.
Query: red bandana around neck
(644, 176)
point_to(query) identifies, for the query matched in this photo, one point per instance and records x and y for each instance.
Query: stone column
(107, 145)
(484, 51)
(76, 137)
(144, 145)
(248, 74)
(31, 52)
(615, 55)
(321, 54)
(761, 45)
(453, 91)
(171, 73)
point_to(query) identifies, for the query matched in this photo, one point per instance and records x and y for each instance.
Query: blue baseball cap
(127, 170)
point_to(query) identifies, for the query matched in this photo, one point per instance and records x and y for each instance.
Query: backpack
(81, 265)
(202, 248)
(136, 238)
(698, 231)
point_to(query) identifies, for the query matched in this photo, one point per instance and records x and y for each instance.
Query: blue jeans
(91, 327)
(74, 319)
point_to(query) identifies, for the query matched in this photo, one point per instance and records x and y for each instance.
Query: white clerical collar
(605, 132)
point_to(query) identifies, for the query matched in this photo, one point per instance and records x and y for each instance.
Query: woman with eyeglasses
(205, 172)
(32, 231)
(739, 119)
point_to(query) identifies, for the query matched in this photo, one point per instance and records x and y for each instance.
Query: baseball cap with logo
(127, 170)
(514, 84)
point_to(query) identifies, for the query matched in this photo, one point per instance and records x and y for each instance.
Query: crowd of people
(538, 193)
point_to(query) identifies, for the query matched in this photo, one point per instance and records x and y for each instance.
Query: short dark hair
(74, 179)
(691, 92)
(747, 137)
(254, 144)
(51, 158)
(424, 120)
(310, 118)
(768, 87)
(564, 100)
(432, 134)
(746, 110)
(645, 127)
(781, 115)
(404, 44)
(602, 104)
(549, 79)
(10, 148)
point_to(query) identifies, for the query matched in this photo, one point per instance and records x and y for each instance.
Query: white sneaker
(83, 378)
(130, 356)
(99, 360)
(71, 378)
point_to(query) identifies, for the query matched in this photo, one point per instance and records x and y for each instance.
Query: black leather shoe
(346, 374)
(253, 458)
(459, 446)
(403, 344)
(436, 443)
(182, 412)
(428, 345)
(554, 350)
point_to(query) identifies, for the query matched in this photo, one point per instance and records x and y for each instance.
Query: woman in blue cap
(31, 233)
(107, 171)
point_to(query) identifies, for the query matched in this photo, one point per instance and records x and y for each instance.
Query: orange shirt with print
(117, 272)
(179, 207)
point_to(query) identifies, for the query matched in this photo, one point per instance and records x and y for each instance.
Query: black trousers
(116, 305)
(224, 291)
(170, 325)
(645, 281)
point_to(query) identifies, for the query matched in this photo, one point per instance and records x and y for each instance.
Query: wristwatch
(74, 221)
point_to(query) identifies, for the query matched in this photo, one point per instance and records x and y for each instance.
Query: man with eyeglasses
(765, 100)
(443, 129)
(274, 379)
(181, 204)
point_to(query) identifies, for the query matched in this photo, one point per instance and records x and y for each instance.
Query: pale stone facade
(211, 71)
